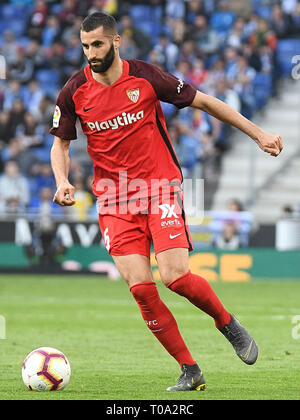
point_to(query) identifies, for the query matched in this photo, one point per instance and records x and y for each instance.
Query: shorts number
(106, 239)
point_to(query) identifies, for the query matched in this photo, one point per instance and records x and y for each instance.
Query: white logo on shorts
(174, 236)
(168, 211)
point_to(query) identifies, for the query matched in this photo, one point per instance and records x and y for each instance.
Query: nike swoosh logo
(247, 354)
(87, 109)
(174, 236)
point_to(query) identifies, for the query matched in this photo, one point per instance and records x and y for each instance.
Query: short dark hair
(97, 19)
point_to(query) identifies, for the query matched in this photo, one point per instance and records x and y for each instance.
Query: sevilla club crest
(133, 95)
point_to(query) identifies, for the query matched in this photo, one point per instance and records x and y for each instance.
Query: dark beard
(105, 63)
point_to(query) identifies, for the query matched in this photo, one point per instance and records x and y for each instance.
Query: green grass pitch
(113, 356)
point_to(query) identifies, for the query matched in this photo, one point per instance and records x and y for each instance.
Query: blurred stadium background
(245, 52)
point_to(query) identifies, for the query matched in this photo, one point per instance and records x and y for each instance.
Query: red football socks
(198, 291)
(160, 321)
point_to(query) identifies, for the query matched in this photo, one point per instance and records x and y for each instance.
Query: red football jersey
(127, 138)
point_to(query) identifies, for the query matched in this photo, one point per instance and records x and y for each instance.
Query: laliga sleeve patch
(56, 116)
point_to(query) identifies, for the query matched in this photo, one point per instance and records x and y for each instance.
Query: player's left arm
(269, 143)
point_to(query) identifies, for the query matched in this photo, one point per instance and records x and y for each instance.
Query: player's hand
(270, 143)
(64, 195)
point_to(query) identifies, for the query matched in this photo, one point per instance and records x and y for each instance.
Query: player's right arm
(60, 163)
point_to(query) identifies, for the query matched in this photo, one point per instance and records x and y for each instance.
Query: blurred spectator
(237, 35)
(198, 74)
(231, 58)
(16, 114)
(73, 56)
(37, 19)
(182, 70)
(68, 12)
(77, 168)
(35, 53)
(33, 95)
(295, 19)
(51, 31)
(227, 95)
(55, 58)
(26, 159)
(222, 19)
(235, 205)
(109, 6)
(266, 58)
(206, 38)
(263, 35)
(189, 51)
(22, 69)
(45, 178)
(216, 73)
(287, 211)
(84, 201)
(251, 25)
(156, 58)
(280, 22)
(169, 52)
(178, 30)
(241, 8)
(44, 113)
(128, 49)
(229, 238)
(210, 158)
(221, 132)
(6, 131)
(194, 8)
(43, 204)
(9, 48)
(12, 92)
(30, 133)
(14, 189)
(141, 40)
(175, 9)
(72, 30)
(46, 246)
(253, 56)
(241, 77)
(190, 146)
(289, 6)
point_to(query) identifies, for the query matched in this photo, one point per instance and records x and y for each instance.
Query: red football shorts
(132, 230)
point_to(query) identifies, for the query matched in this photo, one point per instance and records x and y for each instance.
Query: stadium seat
(42, 153)
(56, 9)
(45, 76)
(152, 29)
(15, 11)
(262, 89)
(48, 141)
(265, 12)
(32, 183)
(17, 26)
(157, 14)
(7, 11)
(286, 50)
(49, 81)
(140, 13)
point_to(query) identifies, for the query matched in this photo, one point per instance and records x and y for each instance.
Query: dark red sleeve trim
(64, 119)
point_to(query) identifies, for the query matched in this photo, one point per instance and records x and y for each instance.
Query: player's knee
(169, 274)
(132, 277)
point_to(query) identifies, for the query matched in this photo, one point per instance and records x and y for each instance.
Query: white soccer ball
(46, 369)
